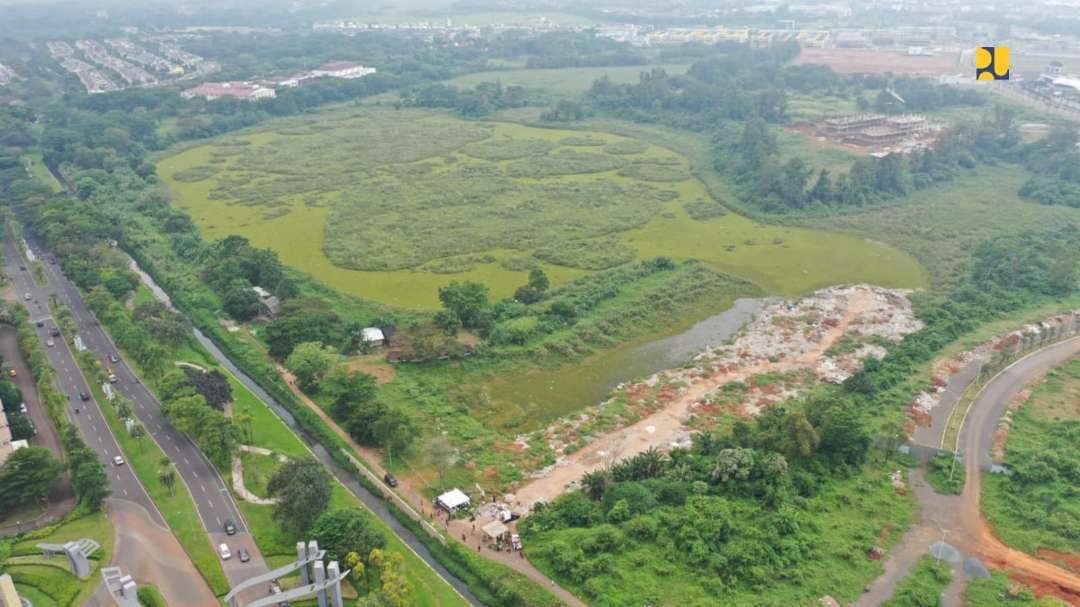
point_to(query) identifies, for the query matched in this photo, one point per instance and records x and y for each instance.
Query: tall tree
(302, 490)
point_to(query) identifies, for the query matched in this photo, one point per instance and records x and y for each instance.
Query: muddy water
(530, 400)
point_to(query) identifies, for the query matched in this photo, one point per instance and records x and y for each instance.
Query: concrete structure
(78, 553)
(237, 90)
(452, 500)
(122, 589)
(342, 69)
(317, 579)
(8, 596)
(876, 129)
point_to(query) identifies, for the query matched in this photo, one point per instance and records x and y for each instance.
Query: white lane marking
(219, 521)
(203, 487)
(125, 492)
(186, 461)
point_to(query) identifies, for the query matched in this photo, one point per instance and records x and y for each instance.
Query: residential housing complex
(264, 89)
(237, 90)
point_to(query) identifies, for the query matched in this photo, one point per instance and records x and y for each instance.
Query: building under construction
(876, 129)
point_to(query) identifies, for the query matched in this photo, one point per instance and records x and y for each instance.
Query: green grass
(999, 591)
(816, 154)
(42, 172)
(923, 585)
(353, 198)
(48, 582)
(564, 81)
(1037, 506)
(257, 472)
(945, 475)
(942, 225)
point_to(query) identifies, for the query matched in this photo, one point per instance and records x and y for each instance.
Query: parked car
(23, 268)
(390, 479)
(230, 527)
(112, 378)
(83, 396)
(118, 460)
(55, 332)
(40, 323)
(114, 358)
(50, 342)
(27, 296)
(515, 541)
(223, 550)
(22, 408)
(243, 555)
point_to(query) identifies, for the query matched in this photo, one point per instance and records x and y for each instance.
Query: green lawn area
(564, 81)
(817, 155)
(1039, 506)
(257, 472)
(942, 225)
(395, 221)
(49, 582)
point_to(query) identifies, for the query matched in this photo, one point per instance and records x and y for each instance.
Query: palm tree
(167, 475)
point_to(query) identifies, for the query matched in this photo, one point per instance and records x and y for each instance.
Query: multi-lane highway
(212, 498)
(166, 565)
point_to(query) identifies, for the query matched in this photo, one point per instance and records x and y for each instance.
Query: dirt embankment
(825, 335)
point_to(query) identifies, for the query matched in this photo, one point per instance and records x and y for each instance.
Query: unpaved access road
(958, 520)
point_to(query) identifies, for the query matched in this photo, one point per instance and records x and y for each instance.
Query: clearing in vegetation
(392, 204)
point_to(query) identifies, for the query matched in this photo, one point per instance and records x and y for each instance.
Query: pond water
(529, 400)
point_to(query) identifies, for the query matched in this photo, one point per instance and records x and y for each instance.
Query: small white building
(342, 69)
(373, 336)
(452, 501)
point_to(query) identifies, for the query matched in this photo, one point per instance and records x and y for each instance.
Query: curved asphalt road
(958, 520)
(212, 499)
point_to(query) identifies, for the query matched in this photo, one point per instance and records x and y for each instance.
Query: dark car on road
(230, 527)
(390, 479)
(83, 396)
(40, 323)
(55, 332)
(243, 555)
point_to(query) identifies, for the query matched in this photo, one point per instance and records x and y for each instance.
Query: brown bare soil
(851, 61)
(374, 365)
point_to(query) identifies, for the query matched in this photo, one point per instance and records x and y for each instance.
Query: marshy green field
(392, 204)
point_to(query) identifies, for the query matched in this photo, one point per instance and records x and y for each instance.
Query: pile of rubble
(795, 329)
(1004, 346)
(822, 337)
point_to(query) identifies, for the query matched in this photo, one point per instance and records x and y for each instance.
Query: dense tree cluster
(1055, 160)
(302, 489)
(481, 100)
(233, 267)
(26, 476)
(731, 506)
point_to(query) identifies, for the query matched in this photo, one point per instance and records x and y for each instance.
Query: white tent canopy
(452, 500)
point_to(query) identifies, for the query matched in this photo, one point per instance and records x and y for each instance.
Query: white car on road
(118, 460)
(224, 551)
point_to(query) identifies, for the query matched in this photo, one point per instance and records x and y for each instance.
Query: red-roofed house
(238, 90)
(342, 69)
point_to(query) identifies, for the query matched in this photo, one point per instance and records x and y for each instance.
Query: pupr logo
(992, 63)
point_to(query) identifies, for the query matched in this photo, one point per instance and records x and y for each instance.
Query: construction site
(878, 134)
